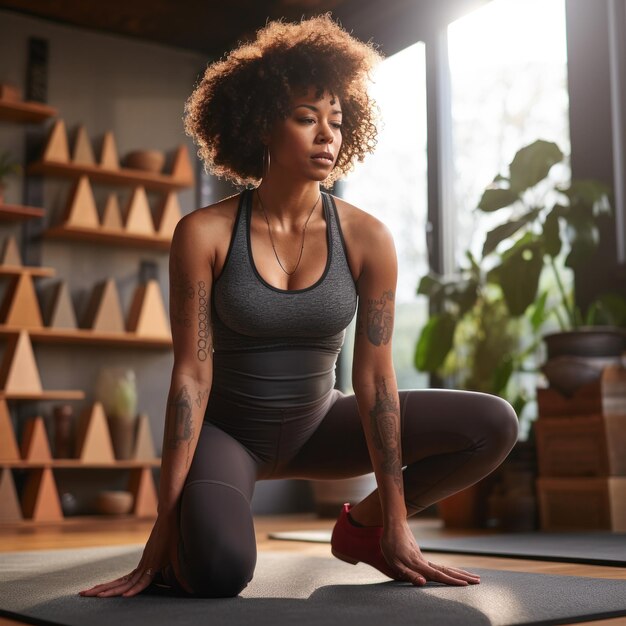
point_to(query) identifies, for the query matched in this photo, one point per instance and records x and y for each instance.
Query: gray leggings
(450, 440)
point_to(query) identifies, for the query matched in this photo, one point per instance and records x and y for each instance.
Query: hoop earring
(266, 162)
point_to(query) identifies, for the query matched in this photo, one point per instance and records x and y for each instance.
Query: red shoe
(354, 544)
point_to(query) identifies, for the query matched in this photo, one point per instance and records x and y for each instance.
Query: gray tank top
(251, 315)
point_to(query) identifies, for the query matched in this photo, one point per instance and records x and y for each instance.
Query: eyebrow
(314, 108)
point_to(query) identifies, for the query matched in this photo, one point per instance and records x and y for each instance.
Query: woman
(262, 287)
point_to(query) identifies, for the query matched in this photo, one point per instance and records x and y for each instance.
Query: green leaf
(551, 233)
(429, 284)
(532, 164)
(502, 375)
(504, 231)
(583, 236)
(538, 315)
(495, 198)
(518, 276)
(434, 343)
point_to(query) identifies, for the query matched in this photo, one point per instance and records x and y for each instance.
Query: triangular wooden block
(181, 167)
(83, 152)
(20, 306)
(19, 372)
(104, 312)
(57, 148)
(8, 444)
(11, 253)
(147, 316)
(93, 438)
(138, 215)
(108, 156)
(81, 209)
(10, 510)
(168, 215)
(112, 218)
(35, 445)
(40, 499)
(141, 485)
(144, 444)
(61, 310)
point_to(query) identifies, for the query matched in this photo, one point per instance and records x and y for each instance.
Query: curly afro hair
(240, 96)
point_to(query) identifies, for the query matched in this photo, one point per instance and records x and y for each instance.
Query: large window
(391, 185)
(508, 75)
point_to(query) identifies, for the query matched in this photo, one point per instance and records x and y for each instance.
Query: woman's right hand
(160, 550)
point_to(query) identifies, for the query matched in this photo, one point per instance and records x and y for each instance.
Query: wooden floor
(104, 532)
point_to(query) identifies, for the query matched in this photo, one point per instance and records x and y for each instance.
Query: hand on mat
(158, 552)
(402, 553)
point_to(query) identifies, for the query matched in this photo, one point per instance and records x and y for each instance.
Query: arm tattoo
(380, 319)
(182, 294)
(202, 395)
(180, 425)
(205, 348)
(385, 418)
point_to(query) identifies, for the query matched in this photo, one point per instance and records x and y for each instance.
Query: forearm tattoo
(380, 319)
(180, 423)
(182, 296)
(205, 349)
(385, 421)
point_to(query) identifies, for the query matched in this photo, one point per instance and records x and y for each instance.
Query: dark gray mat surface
(289, 588)
(594, 548)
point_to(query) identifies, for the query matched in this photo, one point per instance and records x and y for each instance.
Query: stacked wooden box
(581, 453)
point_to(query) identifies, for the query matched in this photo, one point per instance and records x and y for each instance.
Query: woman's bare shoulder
(210, 222)
(359, 225)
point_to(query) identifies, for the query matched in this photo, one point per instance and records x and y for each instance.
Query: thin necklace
(269, 230)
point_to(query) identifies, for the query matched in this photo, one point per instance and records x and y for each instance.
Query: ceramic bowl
(114, 502)
(147, 160)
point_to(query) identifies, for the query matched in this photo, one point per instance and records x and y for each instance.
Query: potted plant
(8, 166)
(545, 220)
(490, 318)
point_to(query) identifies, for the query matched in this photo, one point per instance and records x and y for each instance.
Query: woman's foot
(354, 544)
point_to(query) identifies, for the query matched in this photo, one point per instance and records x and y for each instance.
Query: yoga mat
(288, 588)
(593, 548)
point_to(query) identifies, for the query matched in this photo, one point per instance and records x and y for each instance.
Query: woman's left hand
(401, 551)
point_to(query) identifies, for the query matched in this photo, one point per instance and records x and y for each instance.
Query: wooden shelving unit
(15, 212)
(105, 236)
(25, 112)
(89, 337)
(39, 500)
(96, 173)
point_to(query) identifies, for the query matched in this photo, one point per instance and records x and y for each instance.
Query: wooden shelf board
(25, 111)
(19, 212)
(86, 336)
(53, 394)
(78, 520)
(121, 176)
(16, 270)
(78, 464)
(107, 236)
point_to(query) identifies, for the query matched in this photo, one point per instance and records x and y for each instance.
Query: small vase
(122, 429)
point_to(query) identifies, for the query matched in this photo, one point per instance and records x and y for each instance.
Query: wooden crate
(581, 446)
(607, 396)
(582, 503)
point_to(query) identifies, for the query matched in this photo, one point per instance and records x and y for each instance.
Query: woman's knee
(501, 424)
(223, 572)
